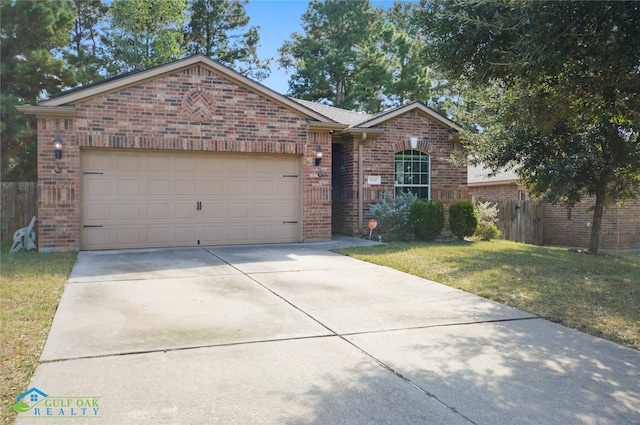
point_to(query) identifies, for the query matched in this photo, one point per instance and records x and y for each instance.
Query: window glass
(413, 173)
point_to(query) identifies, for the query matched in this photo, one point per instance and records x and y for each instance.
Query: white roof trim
(81, 94)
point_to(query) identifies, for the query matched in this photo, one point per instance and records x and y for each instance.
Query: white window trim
(396, 185)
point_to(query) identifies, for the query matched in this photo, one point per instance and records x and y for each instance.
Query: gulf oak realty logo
(36, 404)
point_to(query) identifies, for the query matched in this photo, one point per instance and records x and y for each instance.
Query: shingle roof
(339, 115)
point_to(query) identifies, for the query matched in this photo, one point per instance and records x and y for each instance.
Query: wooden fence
(18, 203)
(520, 221)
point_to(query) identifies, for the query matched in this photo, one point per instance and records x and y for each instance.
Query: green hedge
(427, 218)
(463, 219)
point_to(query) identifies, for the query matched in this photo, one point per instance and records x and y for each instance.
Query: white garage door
(141, 199)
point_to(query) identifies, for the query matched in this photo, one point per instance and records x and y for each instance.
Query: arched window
(413, 173)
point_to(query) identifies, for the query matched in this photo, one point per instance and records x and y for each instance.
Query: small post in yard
(372, 225)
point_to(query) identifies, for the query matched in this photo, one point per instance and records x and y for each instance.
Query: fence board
(18, 203)
(520, 221)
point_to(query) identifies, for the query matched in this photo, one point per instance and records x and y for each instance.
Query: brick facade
(498, 192)
(198, 105)
(448, 180)
(620, 225)
(181, 111)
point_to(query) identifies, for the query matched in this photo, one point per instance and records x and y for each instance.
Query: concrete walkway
(296, 334)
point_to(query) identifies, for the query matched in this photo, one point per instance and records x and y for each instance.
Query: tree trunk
(598, 213)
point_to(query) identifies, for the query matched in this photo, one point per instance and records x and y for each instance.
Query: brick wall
(620, 225)
(448, 180)
(194, 109)
(498, 192)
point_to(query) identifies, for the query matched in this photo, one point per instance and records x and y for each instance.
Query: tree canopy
(556, 88)
(355, 56)
(52, 45)
(32, 33)
(219, 29)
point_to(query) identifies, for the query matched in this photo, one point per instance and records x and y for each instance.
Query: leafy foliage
(427, 218)
(218, 29)
(394, 213)
(487, 218)
(358, 57)
(83, 52)
(326, 57)
(556, 86)
(144, 34)
(463, 219)
(32, 35)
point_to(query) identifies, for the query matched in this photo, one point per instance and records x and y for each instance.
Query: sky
(277, 19)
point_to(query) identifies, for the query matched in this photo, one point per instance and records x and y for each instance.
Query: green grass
(31, 285)
(599, 295)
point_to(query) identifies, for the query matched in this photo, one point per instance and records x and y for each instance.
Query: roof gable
(77, 95)
(419, 106)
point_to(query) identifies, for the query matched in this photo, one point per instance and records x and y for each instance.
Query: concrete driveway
(296, 334)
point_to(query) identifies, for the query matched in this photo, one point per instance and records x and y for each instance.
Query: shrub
(463, 219)
(487, 218)
(486, 232)
(393, 215)
(427, 218)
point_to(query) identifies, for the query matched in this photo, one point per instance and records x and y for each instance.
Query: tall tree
(411, 79)
(560, 88)
(144, 34)
(32, 35)
(218, 29)
(326, 57)
(83, 52)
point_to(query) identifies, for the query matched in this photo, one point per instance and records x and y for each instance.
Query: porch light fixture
(57, 147)
(318, 156)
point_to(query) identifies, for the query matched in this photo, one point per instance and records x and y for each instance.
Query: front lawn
(31, 285)
(599, 295)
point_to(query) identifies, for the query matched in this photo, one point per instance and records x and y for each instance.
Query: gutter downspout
(363, 140)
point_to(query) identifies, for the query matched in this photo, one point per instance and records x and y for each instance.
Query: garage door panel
(100, 212)
(158, 235)
(185, 187)
(128, 212)
(158, 163)
(286, 232)
(185, 164)
(287, 210)
(264, 165)
(97, 187)
(128, 187)
(213, 165)
(238, 234)
(128, 236)
(237, 165)
(263, 211)
(287, 187)
(212, 235)
(97, 238)
(262, 233)
(158, 211)
(185, 234)
(238, 211)
(213, 210)
(128, 163)
(238, 188)
(158, 187)
(160, 199)
(264, 188)
(185, 211)
(213, 187)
